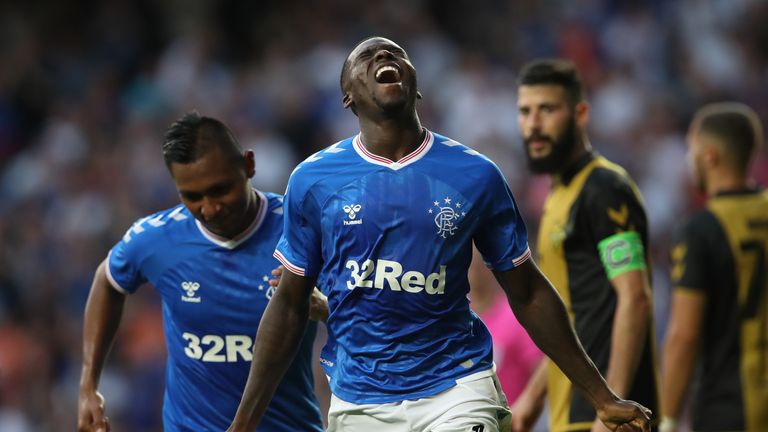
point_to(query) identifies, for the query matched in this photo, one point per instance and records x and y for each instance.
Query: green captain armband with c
(621, 253)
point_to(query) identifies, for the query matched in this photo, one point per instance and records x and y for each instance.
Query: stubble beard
(562, 148)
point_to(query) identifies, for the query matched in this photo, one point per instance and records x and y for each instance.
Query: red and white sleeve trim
(291, 267)
(525, 256)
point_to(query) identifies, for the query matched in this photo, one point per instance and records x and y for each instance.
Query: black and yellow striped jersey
(722, 252)
(593, 199)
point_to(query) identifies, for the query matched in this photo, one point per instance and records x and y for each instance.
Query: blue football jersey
(214, 292)
(390, 244)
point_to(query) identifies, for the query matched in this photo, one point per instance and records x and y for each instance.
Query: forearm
(103, 312)
(630, 328)
(277, 341)
(678, 360)
(540, 310)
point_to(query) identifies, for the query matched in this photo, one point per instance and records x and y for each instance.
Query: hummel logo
(190, 288)
(352, 210)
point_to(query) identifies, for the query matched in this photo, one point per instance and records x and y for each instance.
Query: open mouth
(387, 74)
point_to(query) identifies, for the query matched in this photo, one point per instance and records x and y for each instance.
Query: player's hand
(525, 411)
(276, 273)
(599, 426)
(625, 416)
(90, 413)
(318, 306)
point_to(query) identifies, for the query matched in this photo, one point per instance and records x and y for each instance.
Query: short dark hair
(193, 135)
(344, 70)
(557, 72)
(737, 127)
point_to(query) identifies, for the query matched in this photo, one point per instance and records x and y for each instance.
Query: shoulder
(607, 179)
(326, 161)
(702, 230)
(607, 174)
(701, 225)
(464, 157)
(321, 167)
(274, 201)
(273, 217)
(148, 229)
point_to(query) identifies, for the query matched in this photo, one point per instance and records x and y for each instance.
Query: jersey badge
(446, 215)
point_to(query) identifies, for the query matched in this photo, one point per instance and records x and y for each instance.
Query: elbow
(681, 339)
(636, 299)
(642, 301)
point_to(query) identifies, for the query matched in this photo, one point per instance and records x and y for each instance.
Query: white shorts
(475, 404)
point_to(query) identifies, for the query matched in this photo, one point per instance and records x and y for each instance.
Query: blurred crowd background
(87, 89)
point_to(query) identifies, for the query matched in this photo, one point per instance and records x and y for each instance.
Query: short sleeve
(690, 254)
(299, 248)
(612, 206)
(123, 268)
(501, 237)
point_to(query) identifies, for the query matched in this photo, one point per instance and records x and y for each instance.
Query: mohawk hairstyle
(193, 135)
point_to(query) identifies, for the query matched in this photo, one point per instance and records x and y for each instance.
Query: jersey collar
(574, 168)
(408, 159)
(245, 235)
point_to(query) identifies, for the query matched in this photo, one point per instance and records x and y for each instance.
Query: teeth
(384, 69)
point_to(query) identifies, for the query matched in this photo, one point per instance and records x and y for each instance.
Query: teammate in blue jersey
(210, 260)
(384, 222)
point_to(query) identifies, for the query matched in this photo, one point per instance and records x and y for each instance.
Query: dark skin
(386, 112)
(390, 128)
(217, 191)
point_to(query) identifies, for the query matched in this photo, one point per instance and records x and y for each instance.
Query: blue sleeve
(123, 270)
(299, 248)
(501, 238)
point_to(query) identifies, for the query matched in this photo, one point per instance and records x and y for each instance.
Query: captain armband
(621, 253)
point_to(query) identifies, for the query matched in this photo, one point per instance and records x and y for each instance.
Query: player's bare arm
(630, 325)
(318, 303)
(532, 297)
(680, 349)
(102, 318)
(277, 341)
(629, 328)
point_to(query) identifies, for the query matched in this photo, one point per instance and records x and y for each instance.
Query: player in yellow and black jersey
(719, 316)
(592, 245)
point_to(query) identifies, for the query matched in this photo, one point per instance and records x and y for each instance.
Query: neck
(724, 180)
(392, 138)
(249, 215)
